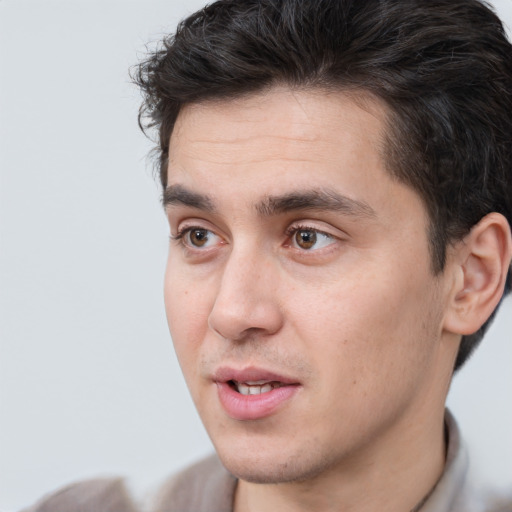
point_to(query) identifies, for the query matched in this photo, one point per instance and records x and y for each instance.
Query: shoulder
(458, 490)
(105, 494)
(205, 486)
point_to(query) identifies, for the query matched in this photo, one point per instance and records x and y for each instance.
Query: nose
(247, 302)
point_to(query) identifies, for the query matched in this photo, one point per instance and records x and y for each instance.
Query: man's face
(299, 291)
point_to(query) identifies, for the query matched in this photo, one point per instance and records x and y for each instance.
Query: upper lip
(250, 374)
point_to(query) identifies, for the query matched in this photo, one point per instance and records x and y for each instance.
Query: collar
(207, 486)
(453, 493)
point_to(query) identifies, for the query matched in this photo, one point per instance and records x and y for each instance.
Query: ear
(480, 263)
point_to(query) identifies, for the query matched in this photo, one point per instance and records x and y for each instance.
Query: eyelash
(182, 232)
(290, 232)
(303, 227)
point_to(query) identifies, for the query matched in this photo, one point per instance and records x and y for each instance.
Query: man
(337, 177)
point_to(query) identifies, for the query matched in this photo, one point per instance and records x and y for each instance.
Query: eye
(310, 239)
(197, 238)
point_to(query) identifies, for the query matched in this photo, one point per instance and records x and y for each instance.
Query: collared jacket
(208, 487)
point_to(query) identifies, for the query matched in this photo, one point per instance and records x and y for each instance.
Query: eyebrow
(309, 200)
(316, 200)
(178, 194)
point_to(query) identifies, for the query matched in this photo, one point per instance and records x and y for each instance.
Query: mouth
(257, 387)
(252, 394)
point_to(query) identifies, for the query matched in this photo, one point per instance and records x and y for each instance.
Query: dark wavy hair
(442, 67)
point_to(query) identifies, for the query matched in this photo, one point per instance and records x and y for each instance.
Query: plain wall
(89, 384)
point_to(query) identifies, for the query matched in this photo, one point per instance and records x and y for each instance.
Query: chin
(263, 468)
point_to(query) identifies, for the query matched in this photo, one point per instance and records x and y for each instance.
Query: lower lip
(253, 407)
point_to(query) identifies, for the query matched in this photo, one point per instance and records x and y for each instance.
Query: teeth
(255, 387)
(266, 388)
(242, 389)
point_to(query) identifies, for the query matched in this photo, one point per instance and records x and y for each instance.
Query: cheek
(187, 315)
(369, 349)
(369, 327)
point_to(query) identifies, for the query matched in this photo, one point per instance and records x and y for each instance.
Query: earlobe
(482, 261)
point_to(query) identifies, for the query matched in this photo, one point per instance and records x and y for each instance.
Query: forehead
(278, 126)
(301, 116)
(282, 140)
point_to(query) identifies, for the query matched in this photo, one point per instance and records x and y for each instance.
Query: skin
(358, 318)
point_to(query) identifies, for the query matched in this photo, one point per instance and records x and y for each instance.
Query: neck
(395, 474)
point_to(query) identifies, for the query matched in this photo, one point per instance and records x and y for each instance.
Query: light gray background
(89, 384)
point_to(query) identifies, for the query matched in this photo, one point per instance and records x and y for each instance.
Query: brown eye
(305, 238)
(309, 239)
(198, 237)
